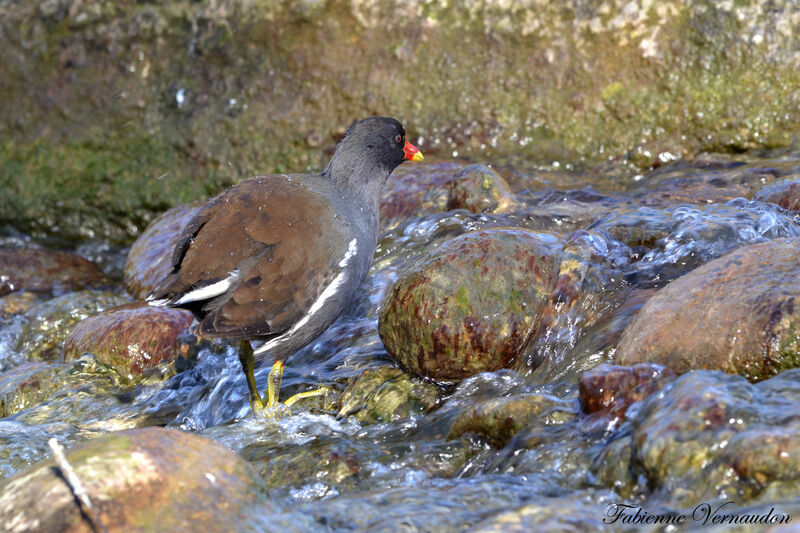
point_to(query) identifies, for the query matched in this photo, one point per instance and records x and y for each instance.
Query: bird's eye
(398, 139)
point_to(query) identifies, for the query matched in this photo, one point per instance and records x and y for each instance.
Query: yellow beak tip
(418, 157)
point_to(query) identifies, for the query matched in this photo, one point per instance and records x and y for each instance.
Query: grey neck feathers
(358, 174)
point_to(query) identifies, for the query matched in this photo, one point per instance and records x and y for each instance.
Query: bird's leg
(274, 388)
(274, 383)
(249, 366)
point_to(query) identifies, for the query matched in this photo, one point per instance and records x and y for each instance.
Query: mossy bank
(112, 112)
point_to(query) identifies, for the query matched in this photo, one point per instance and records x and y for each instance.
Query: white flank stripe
(329, 291)
(209, 291)
(162, 302)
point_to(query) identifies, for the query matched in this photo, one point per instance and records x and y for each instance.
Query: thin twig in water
(75, 486)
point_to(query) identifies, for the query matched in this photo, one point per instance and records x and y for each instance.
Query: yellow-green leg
(249, 367)
(273, 383)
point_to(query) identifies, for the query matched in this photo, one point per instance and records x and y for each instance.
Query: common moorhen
(276, 258)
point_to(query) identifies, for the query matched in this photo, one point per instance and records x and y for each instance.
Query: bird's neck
(360, 179)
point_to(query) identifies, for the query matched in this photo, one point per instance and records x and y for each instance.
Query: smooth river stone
(131, 338)
(739, 314)
(148, 479)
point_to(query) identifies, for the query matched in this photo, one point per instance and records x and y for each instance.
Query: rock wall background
(111, 112)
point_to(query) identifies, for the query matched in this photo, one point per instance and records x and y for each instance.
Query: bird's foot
(322, 391)
(278, 410)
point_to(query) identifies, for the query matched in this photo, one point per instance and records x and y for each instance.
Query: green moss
(95, 121)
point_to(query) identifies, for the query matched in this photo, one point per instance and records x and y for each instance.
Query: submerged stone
(132, 338)
(479, 189)
(26, 385)
(738, 313)
(707, 436)
(498, 420)
(34, 269)
(139, 480)
(49, 322)
(149, 260)
(472, 305)
(386, 394)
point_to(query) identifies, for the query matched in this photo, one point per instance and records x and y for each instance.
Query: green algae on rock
(34, 269)
(737, 313)
(144, 479)
(26, 385)
(150, 258)
(386, 394)
(472, 305)
(132, 338)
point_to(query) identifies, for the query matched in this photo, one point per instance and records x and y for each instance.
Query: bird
(276, 258)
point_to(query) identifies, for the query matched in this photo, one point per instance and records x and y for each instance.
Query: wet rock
(17, 302)
(479, 189)
(784, 193)
(551, 514)
(26, 385)
(738, 314)
(149, 259)
(416, 190)
(132, 338)
(612, 389)
(49, 322)
(323, 460)
(471, 306)
(137, 480)
(386, 394)
(498, 420)
(709, 435)
(33, 269)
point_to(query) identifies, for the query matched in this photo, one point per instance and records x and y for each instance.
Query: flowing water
(412, 473)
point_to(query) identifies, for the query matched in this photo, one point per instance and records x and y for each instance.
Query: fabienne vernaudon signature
(705, 513)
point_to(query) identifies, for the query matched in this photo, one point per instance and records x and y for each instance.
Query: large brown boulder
(471, 306)
(738, 313)
(150, 479)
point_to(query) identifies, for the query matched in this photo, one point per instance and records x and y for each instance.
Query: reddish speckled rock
(149, 258)
(149, 479)
(132, 338)
(479, 189)
(784, 193)
(739, 314)
(32, 269)
(472, 306)
(614, 388)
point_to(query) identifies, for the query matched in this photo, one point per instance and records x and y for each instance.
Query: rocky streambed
(533, 349)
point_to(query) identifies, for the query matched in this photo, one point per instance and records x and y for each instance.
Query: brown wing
(284, 241)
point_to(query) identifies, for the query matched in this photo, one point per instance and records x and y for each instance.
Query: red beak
(412, 152)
